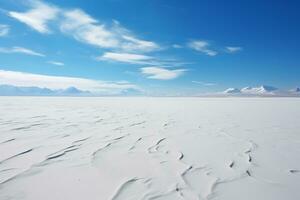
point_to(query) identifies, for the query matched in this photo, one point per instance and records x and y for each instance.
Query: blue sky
(156, 47)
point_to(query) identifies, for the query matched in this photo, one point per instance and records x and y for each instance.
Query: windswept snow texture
(58, 148)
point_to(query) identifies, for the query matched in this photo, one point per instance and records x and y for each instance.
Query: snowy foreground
(149, 148)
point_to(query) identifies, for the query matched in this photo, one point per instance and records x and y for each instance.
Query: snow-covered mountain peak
(264, 89)
(231, 91)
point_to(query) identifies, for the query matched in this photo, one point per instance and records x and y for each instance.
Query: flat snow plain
(149, 148)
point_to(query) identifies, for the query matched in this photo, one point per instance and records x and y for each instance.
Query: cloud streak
(160, 73)
(37, 17)
(62, 82)
(21, 50)
(126, 58)
(4, 30)
(120, 44)
(82, 27)
(56, 63)
(86, 29)
(233, 49)
(139, 59)
(202, 46)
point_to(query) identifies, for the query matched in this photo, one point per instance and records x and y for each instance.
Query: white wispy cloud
(21, 50)
(232, 49)
(126, 58)
(83, 27)
(61, 82)
(133, 44)
(38, 16)
(162, 73)
(121, 44)
(140, 59)
(204, 83)
(4, 30)
(56, 63)
(86, 29)
(202, 46)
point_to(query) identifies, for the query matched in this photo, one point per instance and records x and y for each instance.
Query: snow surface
(59, 148)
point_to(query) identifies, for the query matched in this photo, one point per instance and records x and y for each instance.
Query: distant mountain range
(263, 90)
(10, 90)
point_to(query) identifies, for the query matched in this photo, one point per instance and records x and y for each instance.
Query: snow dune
(149, 148)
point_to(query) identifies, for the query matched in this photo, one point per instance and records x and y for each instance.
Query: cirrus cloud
(4, 30)
(56, 63)
(86, 29)
(38, 16)
(63, 82)
(126, 58)
(21, 50)
(231, 49)
(82, 27)
(161, 73)
(202, 46)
